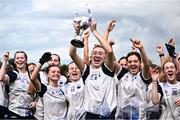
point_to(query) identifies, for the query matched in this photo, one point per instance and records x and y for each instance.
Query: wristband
(162, 54)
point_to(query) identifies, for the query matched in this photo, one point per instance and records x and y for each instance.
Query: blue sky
(37, 26)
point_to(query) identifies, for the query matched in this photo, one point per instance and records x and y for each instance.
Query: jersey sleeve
(107, 71)
(12, 76)
(160, 90)
(147, 81)
(43, 90)
(85, 72)
(121, 73)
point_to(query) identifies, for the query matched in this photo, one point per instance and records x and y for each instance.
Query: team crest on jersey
(174, 91)
(58, 92)
(61, 82)
(72, 89)
(126, 78)
(78, 86)
(95, 76)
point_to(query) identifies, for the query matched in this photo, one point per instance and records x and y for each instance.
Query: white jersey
(100, 90)
(3, 94)
(132, 97)
(39, 112)
(171, 92)
(75, 95)
(53, 105)
(44, 80)
(151, 108)
(19, 98)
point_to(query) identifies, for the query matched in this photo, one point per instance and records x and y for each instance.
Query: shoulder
(121, 73)
(107, 71)
(147, 81)
(13, 75)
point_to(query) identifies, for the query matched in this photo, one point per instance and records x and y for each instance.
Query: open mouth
(96, 61)
(170, 74)
(133, 67)
(75, 74)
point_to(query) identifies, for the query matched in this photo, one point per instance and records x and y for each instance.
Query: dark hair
(66, 72)
(25, 55)
(21, 52)
(152, 65)
(57, 56)
(123, 57)
(31, 63)
(50, 66)
(134, 53)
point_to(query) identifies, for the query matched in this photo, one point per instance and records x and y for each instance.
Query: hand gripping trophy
(84, 23)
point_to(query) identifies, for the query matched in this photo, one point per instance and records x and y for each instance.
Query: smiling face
(55, 60)
(169, 70)
(73, 72)
(53, 73)
(134, 64)
(123, 63)
(97, 57)
(20, 60)
(31, 67)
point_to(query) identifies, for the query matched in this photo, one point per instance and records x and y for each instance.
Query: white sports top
(100, 90)
(132, 97)
(55, 104)
(19, 98)
(3, 94)
(75, 95)
(171, 92)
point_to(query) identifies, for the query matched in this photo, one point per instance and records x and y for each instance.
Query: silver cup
(84, 24)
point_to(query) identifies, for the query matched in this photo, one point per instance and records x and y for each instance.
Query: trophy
(85, 22)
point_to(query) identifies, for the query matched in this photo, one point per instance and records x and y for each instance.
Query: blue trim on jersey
(107, 71)
(12, 76)
(122, 73)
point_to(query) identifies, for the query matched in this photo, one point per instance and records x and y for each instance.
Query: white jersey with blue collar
(100, 90)
(54, 104)
(171, 93)
(132, 97)
(19, 97)
(75, 94)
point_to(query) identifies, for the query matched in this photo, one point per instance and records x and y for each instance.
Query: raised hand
(93, 25)
(170, 46)
(137, 44)
(86, 34)
(77, 26)
(111, 42)
(171, 42)
(154, 74)
(133, 49)
(110, 25)
(159, 48)
(6, 56)
(45, 58)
